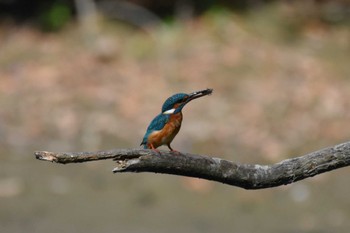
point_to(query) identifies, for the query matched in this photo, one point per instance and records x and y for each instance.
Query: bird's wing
(156, 124)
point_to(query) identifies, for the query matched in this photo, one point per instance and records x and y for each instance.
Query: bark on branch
(248, 176)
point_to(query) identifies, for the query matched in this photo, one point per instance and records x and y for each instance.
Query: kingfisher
(164, 127)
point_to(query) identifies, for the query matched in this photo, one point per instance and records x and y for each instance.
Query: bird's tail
(144, 145)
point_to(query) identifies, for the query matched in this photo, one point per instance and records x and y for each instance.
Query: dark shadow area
(54, 14)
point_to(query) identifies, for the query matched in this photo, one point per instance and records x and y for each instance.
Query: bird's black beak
(198, 94)
(193, 96)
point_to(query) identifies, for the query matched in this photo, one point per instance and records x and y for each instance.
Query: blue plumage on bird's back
(162, 130)
(156, 124)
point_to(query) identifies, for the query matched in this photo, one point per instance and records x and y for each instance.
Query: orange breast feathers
(167, 134)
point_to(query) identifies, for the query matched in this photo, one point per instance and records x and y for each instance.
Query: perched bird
(166, 125)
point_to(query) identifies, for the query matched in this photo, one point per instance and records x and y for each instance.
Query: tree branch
(248, 176)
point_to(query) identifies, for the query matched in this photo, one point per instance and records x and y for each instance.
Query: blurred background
(90, 75)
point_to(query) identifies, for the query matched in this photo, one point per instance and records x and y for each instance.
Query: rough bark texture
(248, 176)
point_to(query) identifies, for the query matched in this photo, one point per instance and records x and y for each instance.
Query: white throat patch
(170, 111)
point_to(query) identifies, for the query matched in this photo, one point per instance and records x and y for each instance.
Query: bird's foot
(150, 146)
(174, 152)
(156, 150)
